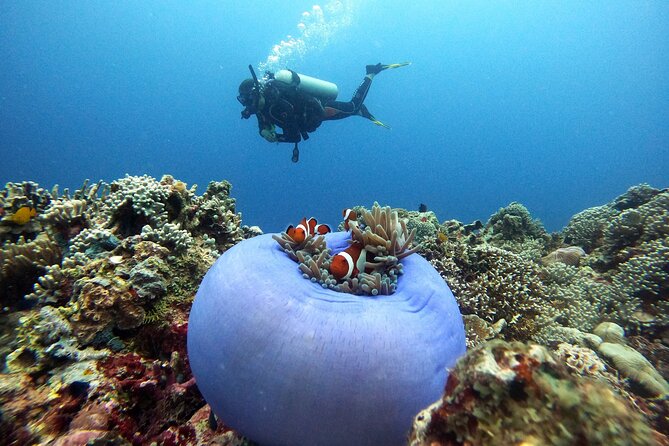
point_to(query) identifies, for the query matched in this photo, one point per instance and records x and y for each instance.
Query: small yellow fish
(23, 215)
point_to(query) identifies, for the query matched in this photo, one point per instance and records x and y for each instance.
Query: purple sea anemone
(285, 361)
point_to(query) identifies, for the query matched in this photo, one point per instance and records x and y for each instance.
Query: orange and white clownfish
(306, 227)
(349, 214)
(349, 262)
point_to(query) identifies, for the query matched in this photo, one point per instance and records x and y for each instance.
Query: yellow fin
(396, 65)
(380, 124)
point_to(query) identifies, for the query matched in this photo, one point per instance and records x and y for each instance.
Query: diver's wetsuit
(339, 110)
(298, 113)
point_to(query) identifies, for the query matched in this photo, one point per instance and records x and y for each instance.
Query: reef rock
(512, 393)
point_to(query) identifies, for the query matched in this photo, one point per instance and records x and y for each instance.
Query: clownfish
(23, 215)
(305, 228)
(349, 262)
(349, 214)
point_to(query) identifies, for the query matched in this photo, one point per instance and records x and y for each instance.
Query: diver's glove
(269, 135)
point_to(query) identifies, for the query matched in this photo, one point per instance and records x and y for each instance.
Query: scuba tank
(323, 90)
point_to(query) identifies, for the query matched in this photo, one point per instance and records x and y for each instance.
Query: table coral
(285, 361)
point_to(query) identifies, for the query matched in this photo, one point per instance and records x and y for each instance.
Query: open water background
(558, 105)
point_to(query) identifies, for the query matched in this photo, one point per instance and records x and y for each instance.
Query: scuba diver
(298, 103)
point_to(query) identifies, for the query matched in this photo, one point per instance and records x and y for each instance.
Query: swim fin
(379, 67)
(395, 65)
(366, 114)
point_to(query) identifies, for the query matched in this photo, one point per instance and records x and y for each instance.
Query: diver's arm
(266, 129)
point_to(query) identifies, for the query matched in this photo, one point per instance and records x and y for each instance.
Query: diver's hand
(269, 135)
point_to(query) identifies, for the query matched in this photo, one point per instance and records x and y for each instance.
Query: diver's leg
(370, 71)
(339, 110)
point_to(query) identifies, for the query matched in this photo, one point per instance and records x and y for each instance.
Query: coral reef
(630, 253)
(494, 284)
(104, 278)
(96, 286)
(571, 255)
(629, 362)
(514, 393)
(20, 203)
(512, 228)
(21, 264)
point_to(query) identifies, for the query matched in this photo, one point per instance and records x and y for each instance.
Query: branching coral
(513, 229)
(586, 229)
(114, 282)
(19, 197)
(645, 279)
(66, 218)
(134, 202)
(513, 223)
(580, 299)
(169, 235)
(51, 287)
(91, 244)
(425, 224)
(496, 284)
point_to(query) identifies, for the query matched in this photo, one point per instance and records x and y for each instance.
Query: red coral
(177, 436)
(154, 399)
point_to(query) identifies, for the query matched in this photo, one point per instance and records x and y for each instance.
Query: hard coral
(103, 286)
(513, 223)
(134, 202)
(514, 393)
(214, 216)
(580, 300)
(103, 305)
(497, 284)
(586, 229)
(65, 218)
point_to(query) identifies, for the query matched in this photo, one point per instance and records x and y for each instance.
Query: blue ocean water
(558, 105)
